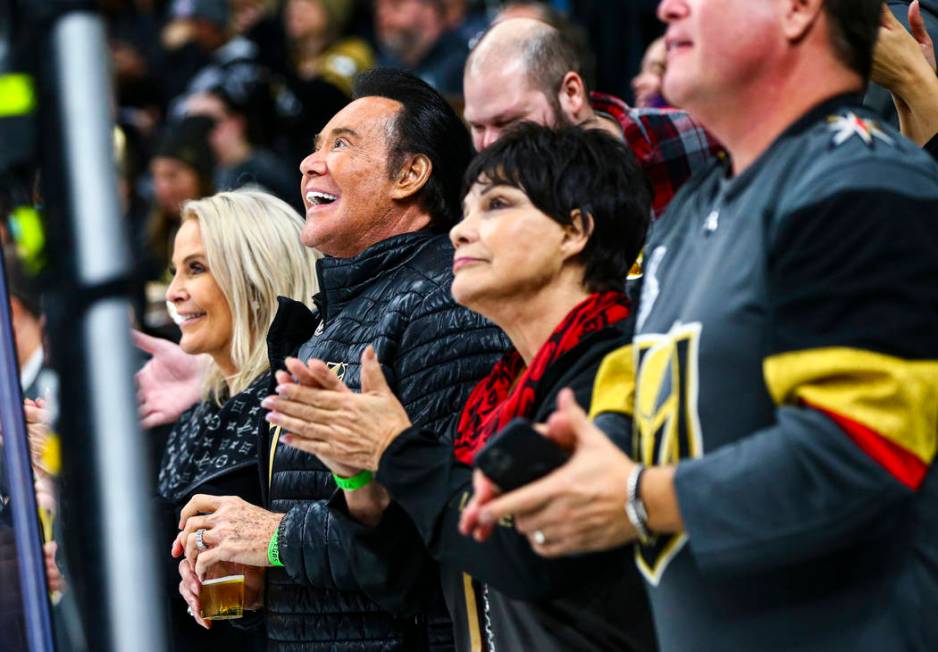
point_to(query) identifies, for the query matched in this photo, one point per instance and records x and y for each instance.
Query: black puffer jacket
(395, 296)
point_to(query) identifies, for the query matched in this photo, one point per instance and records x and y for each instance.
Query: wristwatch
(635, 508)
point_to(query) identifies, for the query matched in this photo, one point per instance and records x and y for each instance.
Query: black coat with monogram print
(396, 297)
(212, 449)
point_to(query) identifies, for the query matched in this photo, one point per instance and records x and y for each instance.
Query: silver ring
(189, 611)
(199, 541)
(539, 538)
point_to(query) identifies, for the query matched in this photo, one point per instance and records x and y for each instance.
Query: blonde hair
(252, 244)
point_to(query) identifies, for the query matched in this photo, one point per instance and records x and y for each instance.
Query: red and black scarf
(499, 397)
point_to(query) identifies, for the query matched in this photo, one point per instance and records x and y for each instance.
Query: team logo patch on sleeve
(849, 125)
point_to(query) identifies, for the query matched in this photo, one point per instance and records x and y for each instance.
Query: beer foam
(227, 578)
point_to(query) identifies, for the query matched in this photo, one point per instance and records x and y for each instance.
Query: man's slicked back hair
(854, 25)
(428, 125)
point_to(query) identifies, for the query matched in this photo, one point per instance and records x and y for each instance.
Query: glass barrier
(25, 622)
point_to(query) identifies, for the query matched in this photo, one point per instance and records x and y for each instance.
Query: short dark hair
(428, 125)
(562, 170)
(854, 26)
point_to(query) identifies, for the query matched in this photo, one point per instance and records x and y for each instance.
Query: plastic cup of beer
(222, 598)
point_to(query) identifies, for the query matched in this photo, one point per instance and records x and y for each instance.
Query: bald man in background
(524, 69)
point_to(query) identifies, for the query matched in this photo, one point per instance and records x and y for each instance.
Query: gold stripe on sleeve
(895, 397)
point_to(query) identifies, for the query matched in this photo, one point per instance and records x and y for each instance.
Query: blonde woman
(234, 253)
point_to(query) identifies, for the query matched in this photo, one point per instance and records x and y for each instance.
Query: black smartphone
(518, 455)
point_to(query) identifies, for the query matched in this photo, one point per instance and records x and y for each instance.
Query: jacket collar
(835, 104)
(831, 105)
(342, 279)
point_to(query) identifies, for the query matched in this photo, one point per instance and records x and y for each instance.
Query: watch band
(635, 508)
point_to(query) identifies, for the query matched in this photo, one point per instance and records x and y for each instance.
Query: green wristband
(357, 481)
(273, 549)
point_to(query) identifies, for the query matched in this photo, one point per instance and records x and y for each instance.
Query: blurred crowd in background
(218, 94)
(214, 96)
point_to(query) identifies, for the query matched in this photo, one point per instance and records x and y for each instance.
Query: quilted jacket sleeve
(443, 351)
(311, 550)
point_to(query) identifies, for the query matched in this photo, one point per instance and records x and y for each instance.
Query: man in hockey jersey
(782, 385)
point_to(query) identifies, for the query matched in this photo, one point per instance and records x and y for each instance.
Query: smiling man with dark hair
(379, 198)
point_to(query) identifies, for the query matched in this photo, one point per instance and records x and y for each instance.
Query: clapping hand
(349, 431)
(904, 63)
(899, 53)
(921, 35)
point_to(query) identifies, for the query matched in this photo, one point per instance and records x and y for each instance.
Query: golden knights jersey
(786, 360)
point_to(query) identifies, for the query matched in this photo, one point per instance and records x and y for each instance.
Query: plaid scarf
(510, 389)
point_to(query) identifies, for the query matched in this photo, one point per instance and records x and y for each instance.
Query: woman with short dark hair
(553, 220)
